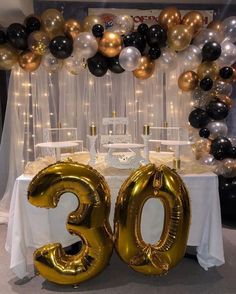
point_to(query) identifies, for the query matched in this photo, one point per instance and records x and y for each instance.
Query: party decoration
(201, 148)
(211, 51)
(89, 221)
(156, 36)
(74, 65)
(17, 35)
(207, 159)
(29, 61)
(227, 190)
(122, 24)
(208, 69)
(129, 58)
(8, 57)
(135, 39)
(190, 57)
(194, 20)
(205, 36)
(226, 72)
(110, 45)
(142, 29)
(32, 23)
(227, 100)
(98, 30)
(179, 37)
(228, 168)
(51, 63)
(188, 81)
(3, 37)
(145, 69)
(198, 118)
(98, 65)
(85, 45)
(229, 28)
(220, 147)
(217, 110)
(217, 128)
(38, 42)
(154, 53)
(216, 25)
(167, 59)
(204, 133)
(152, 182)
(228, 54)
(114, 65)
(61, 47)
(90, 21)
(52, 22)
(72, 28)
(222, 88)
(206, 84)
(169, 17)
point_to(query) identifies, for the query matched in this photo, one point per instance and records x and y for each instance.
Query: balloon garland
(207, 56)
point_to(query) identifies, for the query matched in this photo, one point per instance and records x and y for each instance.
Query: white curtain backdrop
(42, 100)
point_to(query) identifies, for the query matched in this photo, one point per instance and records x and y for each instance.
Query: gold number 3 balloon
(148, 182)
(89, 221)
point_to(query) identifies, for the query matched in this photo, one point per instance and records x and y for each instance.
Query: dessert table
(30, 226)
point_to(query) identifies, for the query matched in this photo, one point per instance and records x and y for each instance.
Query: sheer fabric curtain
(42, 100)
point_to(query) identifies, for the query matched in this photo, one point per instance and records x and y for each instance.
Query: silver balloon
(228, 168)
(222, 88)
(208, 159)
(206, 35)
(201, 98)
(74, 65)
(229, 28)
(85, 45)
(122, 24)
(190, 58)
(129, 58)
(217, 128)
(233, 141)
(228, 54)
(168, 59)
(51, 63)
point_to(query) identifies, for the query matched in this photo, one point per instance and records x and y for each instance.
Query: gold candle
(114, 113)
(93, 130)
(146, 130)
(176, 163)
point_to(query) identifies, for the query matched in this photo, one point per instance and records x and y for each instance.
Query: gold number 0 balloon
(148, 182)
(89, 221)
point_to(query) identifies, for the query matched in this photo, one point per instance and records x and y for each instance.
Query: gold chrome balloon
(38, 42)
(89, 221)
(216, 25)
(110, 44)
(226, 99)
(169, 17)
(90, 21)
(8, 57)
(72, 28)
(145, 69)
(188, 81)
(194, 20)
(208, 69)
(152, 182)
(29, 61)
(52, 22)
(179, 37)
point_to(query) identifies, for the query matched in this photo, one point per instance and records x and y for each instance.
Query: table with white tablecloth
(30, 226)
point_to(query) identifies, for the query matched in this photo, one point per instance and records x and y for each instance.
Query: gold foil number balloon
(89, 221)
(152, 182)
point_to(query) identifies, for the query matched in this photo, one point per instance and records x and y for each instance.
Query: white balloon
(206, 35)
(229, 28)
(129, 58)
(122, 24)
(228, 53)
(208, 159)
(222, 88)
(74, 65)
(50, 62)
(168, 59)
(217, 128)
(233, 141)
(190, 58)
(85, 45)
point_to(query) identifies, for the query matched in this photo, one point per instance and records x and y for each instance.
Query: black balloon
(114, 65)
(226, 72)
(32, 24)
(3, 37)
(61, 47)
(198, 118)
(232, 153)
(142, 28)
(211, 51)
(154, 53)
(204, 133)
(217, 110)
(227, 191)
(17, 36)
(136, 40)
(156, 36)
(98, 65)
(98, 30)
(206, 84)
(220, 148)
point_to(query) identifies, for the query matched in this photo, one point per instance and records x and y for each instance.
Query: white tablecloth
(30, 226)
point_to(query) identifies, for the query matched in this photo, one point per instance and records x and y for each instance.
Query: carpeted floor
(187, 277)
